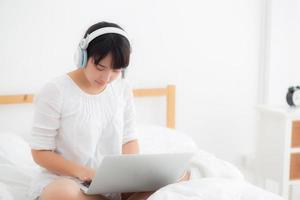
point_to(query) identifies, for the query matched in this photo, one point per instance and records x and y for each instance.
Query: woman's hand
(185, 177)
(84, 173)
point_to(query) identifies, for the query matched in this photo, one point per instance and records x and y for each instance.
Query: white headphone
(80, 56)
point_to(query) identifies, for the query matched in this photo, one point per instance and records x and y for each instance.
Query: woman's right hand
(84, 173)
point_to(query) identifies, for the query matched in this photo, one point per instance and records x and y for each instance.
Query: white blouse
(79, 126)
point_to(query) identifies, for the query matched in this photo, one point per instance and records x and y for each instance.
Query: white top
(79, 126)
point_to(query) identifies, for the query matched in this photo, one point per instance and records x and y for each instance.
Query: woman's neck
(79, 77)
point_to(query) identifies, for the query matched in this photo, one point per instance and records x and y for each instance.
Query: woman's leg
(66, 189)
(140, 196)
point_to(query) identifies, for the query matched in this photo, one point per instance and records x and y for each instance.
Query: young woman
(83, 115)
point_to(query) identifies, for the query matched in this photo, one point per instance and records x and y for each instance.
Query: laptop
(137, 173)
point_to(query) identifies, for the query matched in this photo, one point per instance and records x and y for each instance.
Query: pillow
(158, 139)
(14, 150)
(17, 119)
(204, 164)
(16, 164)
(16, 179)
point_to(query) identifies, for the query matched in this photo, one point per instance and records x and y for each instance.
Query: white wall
(284, 48)
(209, 49)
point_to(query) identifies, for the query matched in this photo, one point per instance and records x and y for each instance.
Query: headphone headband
(85, 41)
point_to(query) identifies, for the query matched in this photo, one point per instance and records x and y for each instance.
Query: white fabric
(213, 189)
(17, 178)
(212, 178)
(4, 193)
(157, 139)
(16, 166)
(14, 150)
(79, 126)
(204, 164)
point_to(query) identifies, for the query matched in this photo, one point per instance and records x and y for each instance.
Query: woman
(83, 115)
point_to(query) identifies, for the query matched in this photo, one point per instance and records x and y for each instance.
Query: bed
(211, 178)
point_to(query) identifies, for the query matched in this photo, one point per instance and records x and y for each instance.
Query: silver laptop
(137, 173)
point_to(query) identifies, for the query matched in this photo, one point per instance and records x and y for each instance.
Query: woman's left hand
(185, 177)
(85, 173)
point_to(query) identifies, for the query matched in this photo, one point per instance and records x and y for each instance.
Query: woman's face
(102, 74)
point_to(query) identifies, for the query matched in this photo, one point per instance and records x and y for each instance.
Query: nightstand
(278, 148)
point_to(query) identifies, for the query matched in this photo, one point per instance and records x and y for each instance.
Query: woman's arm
(131, 147)
(56, 163)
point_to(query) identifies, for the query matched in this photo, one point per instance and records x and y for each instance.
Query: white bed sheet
(212, 178)
(213, 189)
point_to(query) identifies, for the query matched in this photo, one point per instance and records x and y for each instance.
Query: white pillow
(14, 150)
(16, 164)
(204, 164)
(16, 179)
(158, 139)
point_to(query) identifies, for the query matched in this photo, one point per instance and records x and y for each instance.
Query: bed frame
(168, 92)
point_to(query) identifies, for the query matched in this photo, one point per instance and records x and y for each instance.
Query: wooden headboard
(168, 92)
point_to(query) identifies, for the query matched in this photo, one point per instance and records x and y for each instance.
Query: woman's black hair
(113, 43)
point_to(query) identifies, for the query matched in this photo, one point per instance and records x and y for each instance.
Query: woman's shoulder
(121, 86)
(60, 81)
(54, 87)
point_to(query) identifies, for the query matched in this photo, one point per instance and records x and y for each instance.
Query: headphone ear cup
(84, 58)
(123, 73)
(78, 57)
